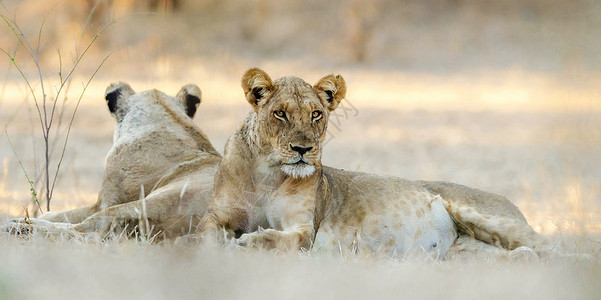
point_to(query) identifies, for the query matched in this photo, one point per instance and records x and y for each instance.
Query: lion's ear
(190, 96)
(115, 94)
(257, 86)
(331, 89)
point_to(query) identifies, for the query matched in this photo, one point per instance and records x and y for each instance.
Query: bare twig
(6, 76)
(89, 18)
(71, 122)
(29, 181)
(60, 67)
(46, 131)
(46, 117)
(76, 63)
(37, 50)
(14, 62)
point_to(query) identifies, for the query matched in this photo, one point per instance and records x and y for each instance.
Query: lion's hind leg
(499, 230)
(468, 248)
(49, 221)
(72, 216)
(26, 227)
(488, 217)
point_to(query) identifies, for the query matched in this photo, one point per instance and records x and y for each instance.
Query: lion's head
(121, 98)
(291, 117)
(153, 110)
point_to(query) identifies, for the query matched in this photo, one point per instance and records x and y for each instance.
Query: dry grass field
(504, 96)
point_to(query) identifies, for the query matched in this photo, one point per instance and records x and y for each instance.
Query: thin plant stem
(71, 122)
(76, 63)
(46, 117)
(29, 181)
(14, 62)
(46, 131)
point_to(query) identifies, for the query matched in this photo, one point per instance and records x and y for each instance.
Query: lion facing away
(160, 168)
(271, 190)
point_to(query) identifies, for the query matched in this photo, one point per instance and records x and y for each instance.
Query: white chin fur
(298, 170)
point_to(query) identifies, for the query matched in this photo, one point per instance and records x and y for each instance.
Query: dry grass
(499, 96)
(129, 269)
(543, 159)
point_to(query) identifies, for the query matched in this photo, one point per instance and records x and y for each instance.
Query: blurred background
(504, 96)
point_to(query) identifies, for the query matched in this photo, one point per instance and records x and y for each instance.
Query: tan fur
(269, 195)
(159, 155)
(336, 210)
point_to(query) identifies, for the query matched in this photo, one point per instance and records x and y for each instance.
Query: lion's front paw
(263, 238)
(523, 253)
(188, 240)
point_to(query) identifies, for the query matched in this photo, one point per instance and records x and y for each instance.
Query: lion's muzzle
(300, 149)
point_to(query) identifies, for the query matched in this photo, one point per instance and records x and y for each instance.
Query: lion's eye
(316, 115)
(280, 114)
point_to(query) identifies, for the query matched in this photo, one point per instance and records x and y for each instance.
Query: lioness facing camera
(272, 192)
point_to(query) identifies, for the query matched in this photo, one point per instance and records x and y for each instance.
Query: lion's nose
(300, 149)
